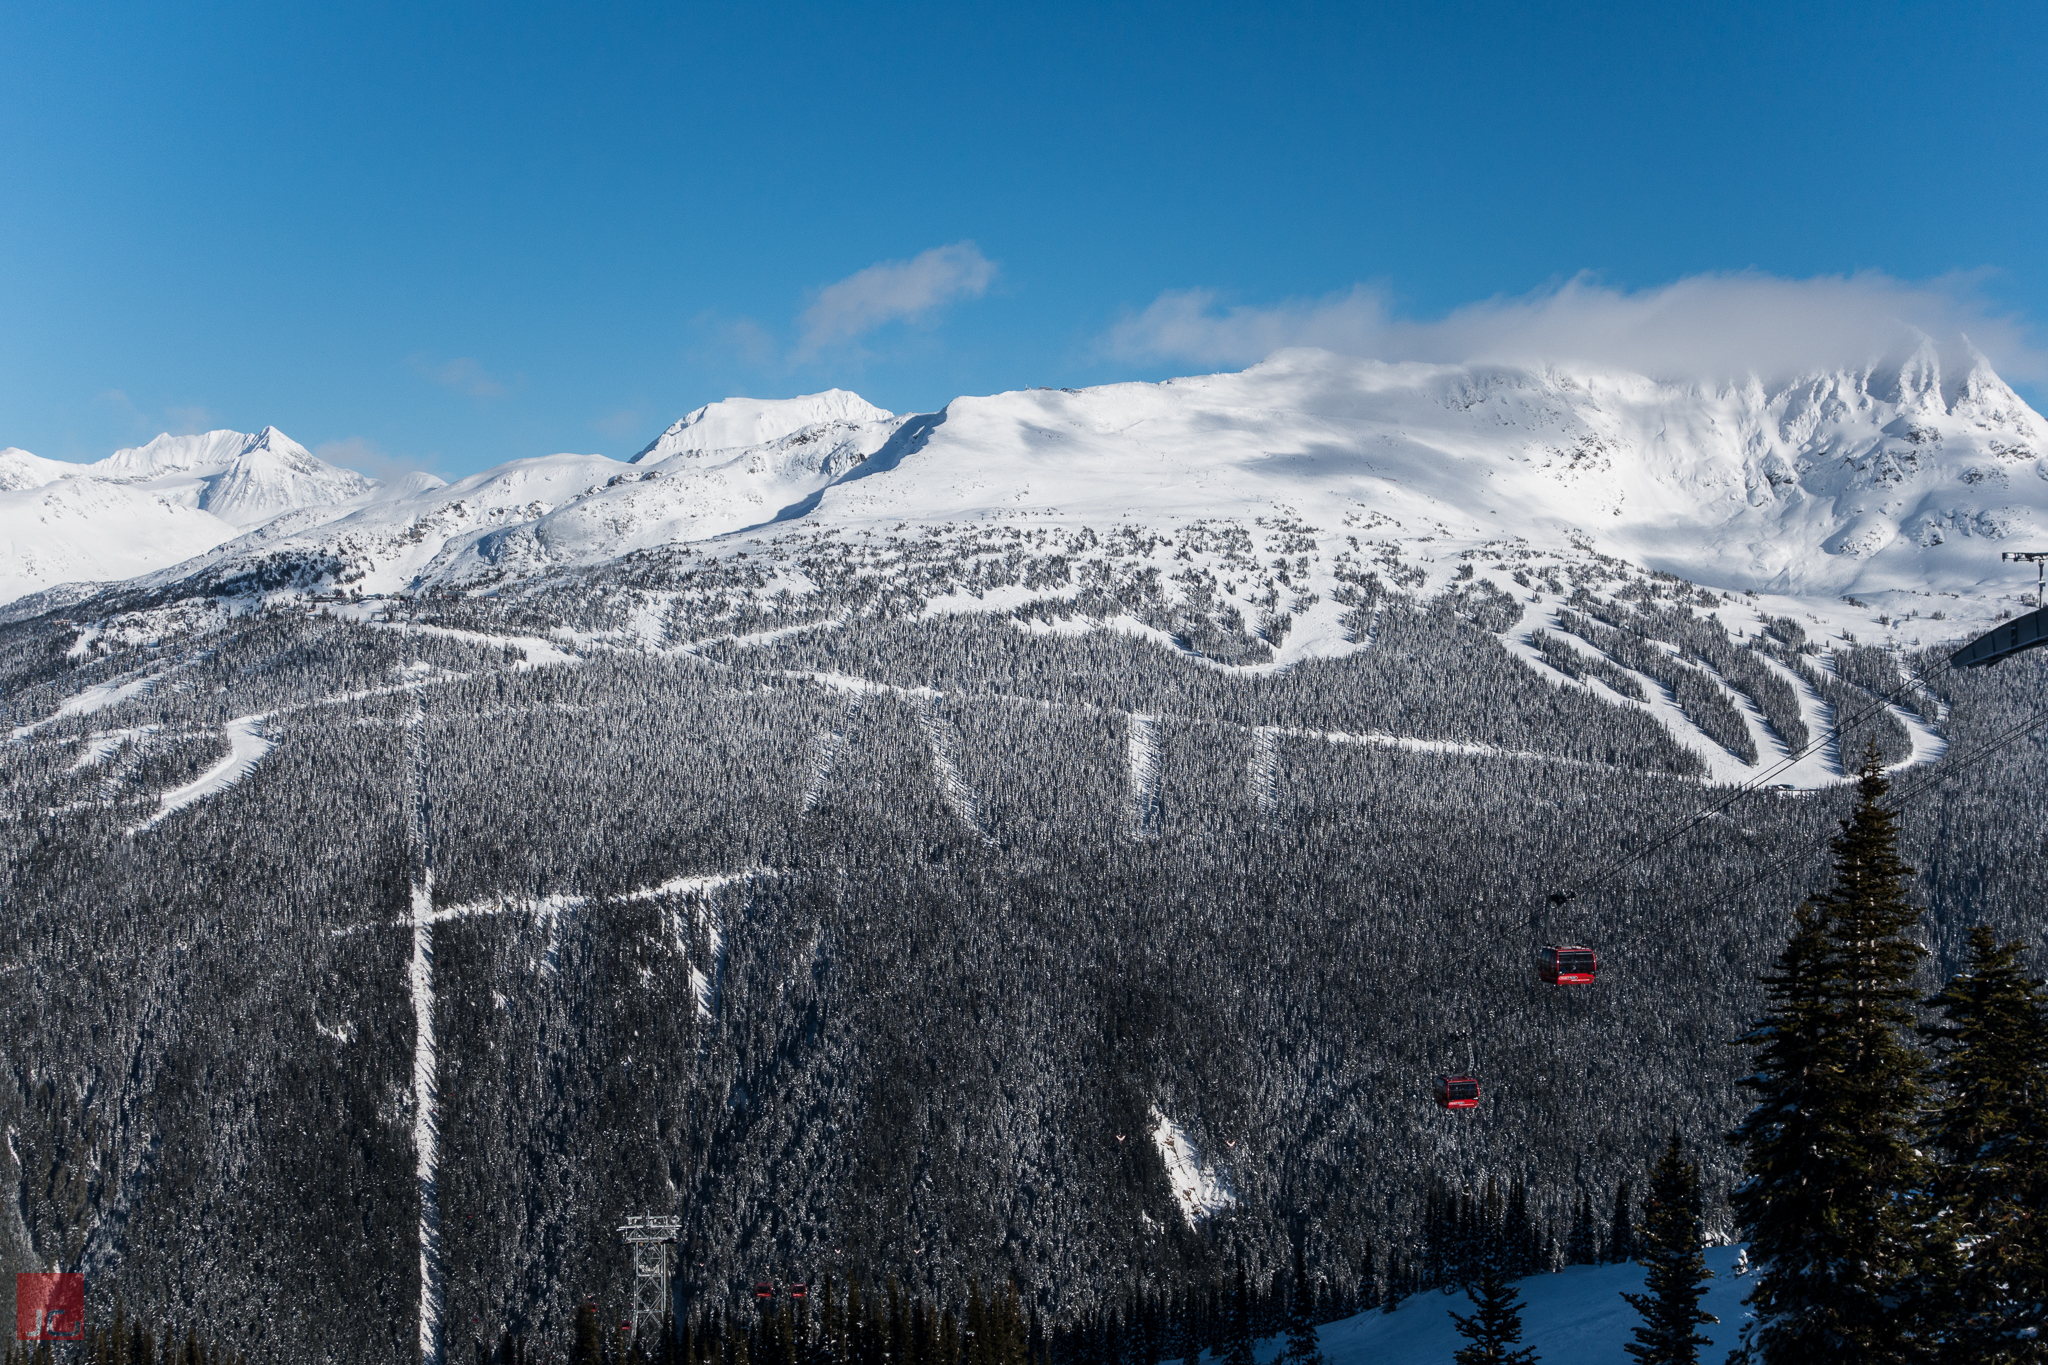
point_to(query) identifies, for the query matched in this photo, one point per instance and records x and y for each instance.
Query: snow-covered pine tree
(1237, 1341)
(1583, 1246)
(1621, 1228)
(1671, 1246)
(1494, 1330)
(1985, 1286)
(1303, 1347)
(1830, 1161)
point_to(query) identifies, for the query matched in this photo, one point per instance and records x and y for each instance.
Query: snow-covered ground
(1575, 1317)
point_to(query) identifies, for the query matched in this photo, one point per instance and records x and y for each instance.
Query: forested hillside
(1065, 943)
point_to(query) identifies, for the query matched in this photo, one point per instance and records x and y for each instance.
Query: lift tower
(650, 1235)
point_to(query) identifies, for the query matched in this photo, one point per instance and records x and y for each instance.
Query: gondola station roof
(2003, 640)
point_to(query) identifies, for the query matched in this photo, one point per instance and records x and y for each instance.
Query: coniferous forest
(359, 977)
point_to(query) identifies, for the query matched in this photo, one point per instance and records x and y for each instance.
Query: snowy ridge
(1891, 483)
(148, 507)
(734, 423)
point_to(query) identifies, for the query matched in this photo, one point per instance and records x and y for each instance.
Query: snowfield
(1574, 1317)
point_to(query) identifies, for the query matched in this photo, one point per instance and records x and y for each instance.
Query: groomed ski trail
(247, 745)
(825, 756)
(1262, 776)
(1198, 1189)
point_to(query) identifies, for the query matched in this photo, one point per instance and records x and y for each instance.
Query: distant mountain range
(1898, 483)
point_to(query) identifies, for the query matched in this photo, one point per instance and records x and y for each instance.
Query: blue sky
(449, 235)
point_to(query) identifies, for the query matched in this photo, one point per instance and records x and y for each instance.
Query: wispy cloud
(367, 457)
(618, 422)
(190, 418)
(894, 291)
(179, 419)
(1703, 326)
(462, 374)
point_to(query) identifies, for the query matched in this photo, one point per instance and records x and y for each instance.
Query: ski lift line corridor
(1792, 862)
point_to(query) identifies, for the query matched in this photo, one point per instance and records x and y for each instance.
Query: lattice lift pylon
(650, 1235)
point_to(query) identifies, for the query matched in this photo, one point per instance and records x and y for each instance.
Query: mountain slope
(863, 883)
(149, 506)
(1894, 483)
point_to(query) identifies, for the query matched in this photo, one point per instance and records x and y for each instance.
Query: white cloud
(462, 374)
(367, 457)
(892, 291)
(1703, 326)
(190, 418)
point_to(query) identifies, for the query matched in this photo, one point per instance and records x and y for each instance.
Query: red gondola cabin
(1457, 1092)
(764, 1289)
(1572, 966)
(799, 1291)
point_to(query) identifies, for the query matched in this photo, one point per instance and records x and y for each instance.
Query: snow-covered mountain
(1896, 484)
(738, 422)
(885, 816)
(150, 506)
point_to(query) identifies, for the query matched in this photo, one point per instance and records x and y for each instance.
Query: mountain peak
(736, 422)
(205, 452)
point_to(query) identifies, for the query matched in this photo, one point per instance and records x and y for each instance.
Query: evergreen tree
(1672, 1247)
(589, 1342)
(831, 1330)
(1830, 1162)
(1237, 1341)
(1397, 1281)
(1985, 1289)
(1303, 1347)
(1621, 1229)
(1495, 1327)
(1518, 1232)
(1583, 1246)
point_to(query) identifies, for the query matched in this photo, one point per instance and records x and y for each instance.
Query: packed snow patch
(1199, 1190)
(1576, 1315)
